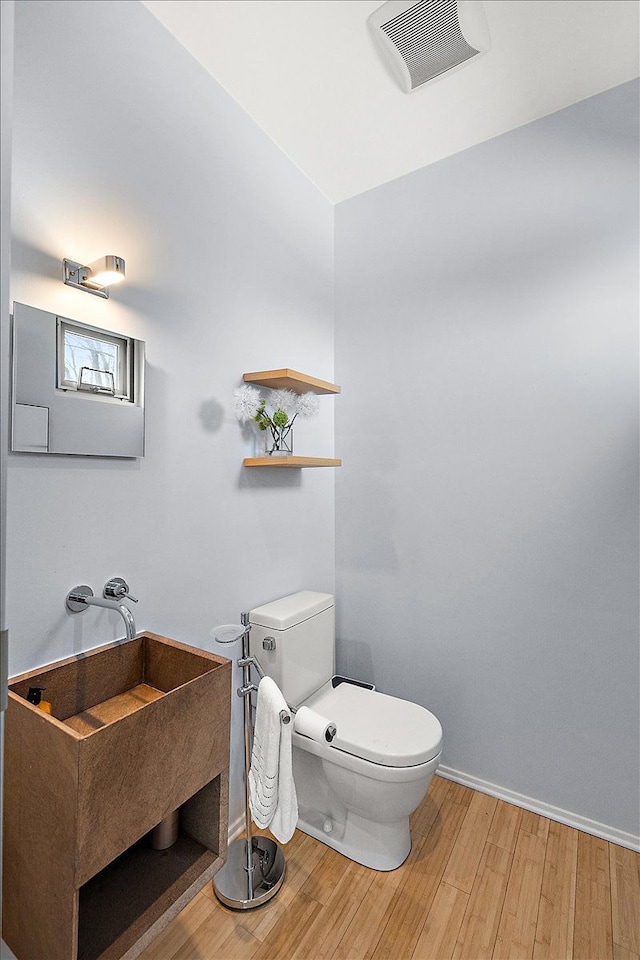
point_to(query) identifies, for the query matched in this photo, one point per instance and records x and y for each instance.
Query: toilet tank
(303, 628)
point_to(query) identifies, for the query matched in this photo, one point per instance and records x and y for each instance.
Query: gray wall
(487, 509)
(123, 144)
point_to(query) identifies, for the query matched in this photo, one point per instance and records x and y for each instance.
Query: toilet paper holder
(285, 715)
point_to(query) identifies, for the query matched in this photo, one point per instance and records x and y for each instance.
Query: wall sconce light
(95, 277)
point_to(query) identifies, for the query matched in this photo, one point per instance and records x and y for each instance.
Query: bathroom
(478, 307)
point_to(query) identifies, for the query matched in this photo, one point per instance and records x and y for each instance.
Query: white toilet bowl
(357, 793)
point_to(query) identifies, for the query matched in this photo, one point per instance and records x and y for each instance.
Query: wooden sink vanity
(137, 730)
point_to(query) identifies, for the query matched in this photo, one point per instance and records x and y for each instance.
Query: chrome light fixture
(95, 277)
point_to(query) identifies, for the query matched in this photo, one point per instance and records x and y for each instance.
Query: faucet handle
(77, 598)
(118, 589)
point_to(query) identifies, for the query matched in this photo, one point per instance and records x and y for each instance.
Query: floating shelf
(286, 379)
(291, 462)
(290, 380)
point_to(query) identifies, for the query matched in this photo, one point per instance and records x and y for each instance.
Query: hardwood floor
(484, 879)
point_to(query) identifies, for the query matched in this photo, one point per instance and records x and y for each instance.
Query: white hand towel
(272, 792)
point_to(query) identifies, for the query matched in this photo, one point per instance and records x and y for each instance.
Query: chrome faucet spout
(82, 597)
(125, 613)
(129, 622)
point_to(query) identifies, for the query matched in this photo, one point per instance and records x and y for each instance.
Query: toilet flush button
(327, 826)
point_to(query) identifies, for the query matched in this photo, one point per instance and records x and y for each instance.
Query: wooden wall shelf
(286, 379)
(291, 462)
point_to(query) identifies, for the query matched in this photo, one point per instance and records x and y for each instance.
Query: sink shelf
(100, 715)
(137, 730)
(124, 902)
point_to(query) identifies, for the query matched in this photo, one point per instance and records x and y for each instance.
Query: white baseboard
(544, 809)
(519, 800)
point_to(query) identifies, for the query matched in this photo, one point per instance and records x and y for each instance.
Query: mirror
(77, 389)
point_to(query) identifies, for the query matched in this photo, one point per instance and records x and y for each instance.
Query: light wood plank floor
(484, 879)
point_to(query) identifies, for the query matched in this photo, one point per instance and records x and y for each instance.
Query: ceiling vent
(422, 41)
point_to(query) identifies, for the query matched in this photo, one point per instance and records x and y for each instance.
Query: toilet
(356, 793)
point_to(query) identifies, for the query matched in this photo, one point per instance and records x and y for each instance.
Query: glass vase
(280, 442)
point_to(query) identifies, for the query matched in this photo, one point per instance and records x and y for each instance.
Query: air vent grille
(429, 40)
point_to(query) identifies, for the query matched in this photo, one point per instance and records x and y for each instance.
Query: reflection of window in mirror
(94, 360)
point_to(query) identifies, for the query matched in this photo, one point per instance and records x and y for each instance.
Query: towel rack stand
(255, 867)
(249, 688)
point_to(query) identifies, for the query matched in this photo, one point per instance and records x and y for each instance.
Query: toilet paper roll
(314, 725)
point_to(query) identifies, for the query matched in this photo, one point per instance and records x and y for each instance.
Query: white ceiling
(309, 75)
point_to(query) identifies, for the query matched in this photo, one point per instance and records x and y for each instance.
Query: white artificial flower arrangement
(276, 413)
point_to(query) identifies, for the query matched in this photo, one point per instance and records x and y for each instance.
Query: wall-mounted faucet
(115, 591)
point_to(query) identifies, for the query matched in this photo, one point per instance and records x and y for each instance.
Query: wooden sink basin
(137, 730)
(98, 688)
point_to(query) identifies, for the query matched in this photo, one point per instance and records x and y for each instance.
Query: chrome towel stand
(255, 867)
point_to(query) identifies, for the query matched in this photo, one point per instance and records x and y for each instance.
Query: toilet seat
(376, 727)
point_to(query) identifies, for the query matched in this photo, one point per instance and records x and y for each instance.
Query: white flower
(284, 400)
(308, 405)
(246, 402)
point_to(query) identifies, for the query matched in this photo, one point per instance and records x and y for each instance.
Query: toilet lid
(378, 727)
